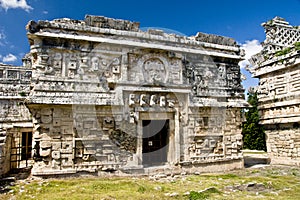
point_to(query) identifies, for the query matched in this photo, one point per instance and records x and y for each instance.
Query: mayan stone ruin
(101, 95)
(278, 68)
(15, 118)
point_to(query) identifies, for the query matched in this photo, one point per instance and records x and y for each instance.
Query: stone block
(107, 151)
(45, 144)
(67, 145)
(56, 122)
(56, 146)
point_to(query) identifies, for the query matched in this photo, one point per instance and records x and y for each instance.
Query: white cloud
(45, 12)
(251, 48)
(9, 58)
(12, 4)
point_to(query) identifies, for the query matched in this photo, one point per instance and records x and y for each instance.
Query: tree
(253, 132)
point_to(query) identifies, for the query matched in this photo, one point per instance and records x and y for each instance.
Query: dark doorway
(26, 145)
(155, 140)
(21, 148)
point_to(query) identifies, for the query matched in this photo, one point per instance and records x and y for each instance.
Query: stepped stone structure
(106, 96)
(278, 68)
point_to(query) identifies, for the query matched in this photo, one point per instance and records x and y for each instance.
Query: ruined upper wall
(105, 22)
(99, 25)
(281, 43)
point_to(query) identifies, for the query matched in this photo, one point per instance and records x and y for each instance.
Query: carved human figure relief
(153, 100)
(143, 100)
(154, 70)
(162, 101)
(131, 99)
(95, 63)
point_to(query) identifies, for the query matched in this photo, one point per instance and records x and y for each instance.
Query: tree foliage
(253, 132)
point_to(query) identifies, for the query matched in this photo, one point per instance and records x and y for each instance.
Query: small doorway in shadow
(155, 141)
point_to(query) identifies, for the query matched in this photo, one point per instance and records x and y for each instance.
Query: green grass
(279, 184)
(250, 152)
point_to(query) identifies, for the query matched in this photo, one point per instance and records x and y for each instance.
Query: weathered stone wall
(78, 138)
(93, 90)
(214, 134)
(277, 68)
(96, 82)
(284, 143)
(14, 115)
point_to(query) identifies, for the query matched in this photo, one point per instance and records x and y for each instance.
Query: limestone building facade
(15, 119)
(106, 96)
(278, 67)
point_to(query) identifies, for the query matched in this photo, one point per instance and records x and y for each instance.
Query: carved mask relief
(154, 70)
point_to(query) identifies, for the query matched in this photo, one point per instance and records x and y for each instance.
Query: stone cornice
(189, 46)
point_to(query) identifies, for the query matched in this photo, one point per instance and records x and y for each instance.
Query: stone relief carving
(57, 61)
(46, 116)
(206, 147)
(202, 76)
(43, 59)
(95, 63)
(151, 100)
(12, 74)
(154, 68)
(222, 74)
(154, 71)
(123, 140)
(72, 67)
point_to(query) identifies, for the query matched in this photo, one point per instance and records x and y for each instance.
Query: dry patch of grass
(267, 183)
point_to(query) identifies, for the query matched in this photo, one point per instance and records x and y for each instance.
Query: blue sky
(233, 18)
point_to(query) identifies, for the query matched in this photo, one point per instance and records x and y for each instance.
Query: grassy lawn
(275, 183)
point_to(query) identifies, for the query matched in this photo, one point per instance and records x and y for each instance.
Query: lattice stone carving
(279, 34)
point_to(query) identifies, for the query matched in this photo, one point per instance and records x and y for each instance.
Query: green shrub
(283, 52)
(297, 46)
(22, 94)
